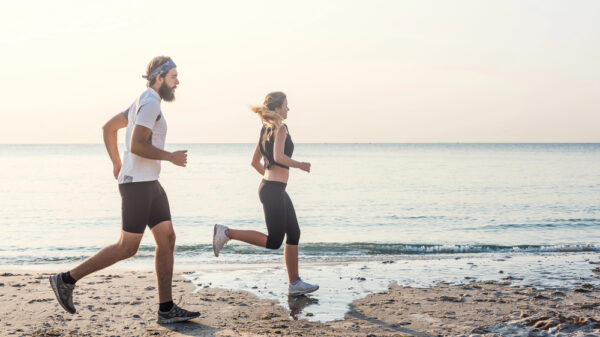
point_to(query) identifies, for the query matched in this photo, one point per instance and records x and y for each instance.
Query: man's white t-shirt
(145, 111)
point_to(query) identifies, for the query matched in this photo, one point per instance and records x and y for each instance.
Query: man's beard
(166, 93)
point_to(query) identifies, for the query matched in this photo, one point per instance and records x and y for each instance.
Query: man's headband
(163, 69)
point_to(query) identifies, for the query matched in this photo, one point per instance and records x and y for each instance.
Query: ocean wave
(551, 223)
(367, 248)
(318, 249)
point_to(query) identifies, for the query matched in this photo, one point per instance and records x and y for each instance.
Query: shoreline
(344, 282)
(124, 304)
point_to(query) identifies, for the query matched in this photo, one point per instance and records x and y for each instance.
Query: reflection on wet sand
(298, 303)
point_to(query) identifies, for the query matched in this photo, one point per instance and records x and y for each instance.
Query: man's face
(168, 86)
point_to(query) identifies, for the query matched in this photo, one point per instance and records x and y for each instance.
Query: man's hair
(155, 63)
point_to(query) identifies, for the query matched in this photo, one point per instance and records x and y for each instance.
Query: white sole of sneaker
(214, 237)
(55, 289)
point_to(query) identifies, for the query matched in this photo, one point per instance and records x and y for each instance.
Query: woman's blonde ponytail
(267, 114)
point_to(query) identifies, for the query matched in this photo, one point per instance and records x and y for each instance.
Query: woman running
(275, 147)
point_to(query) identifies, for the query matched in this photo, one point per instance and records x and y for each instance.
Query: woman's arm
(109, 133)
(280, 156)
(256, 161)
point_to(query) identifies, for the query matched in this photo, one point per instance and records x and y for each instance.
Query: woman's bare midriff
(277, 173)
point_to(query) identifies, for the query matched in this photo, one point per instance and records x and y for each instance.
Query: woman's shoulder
(283, 128)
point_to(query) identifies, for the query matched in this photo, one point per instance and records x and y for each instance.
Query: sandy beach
(125, 305)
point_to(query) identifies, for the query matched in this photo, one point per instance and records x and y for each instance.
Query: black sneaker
(63, 292)
(176, 314)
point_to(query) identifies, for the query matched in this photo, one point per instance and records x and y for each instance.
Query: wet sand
(126, 304)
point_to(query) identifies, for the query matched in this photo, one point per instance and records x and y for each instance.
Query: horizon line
(323, 143)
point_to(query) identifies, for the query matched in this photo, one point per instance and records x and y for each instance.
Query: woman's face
(283, 111)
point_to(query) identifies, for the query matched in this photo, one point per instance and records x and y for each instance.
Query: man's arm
(109, 131)
(141, 147)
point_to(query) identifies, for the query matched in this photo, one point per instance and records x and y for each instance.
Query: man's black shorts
(143, 203)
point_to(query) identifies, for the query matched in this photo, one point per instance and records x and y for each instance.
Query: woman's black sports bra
(266, 147)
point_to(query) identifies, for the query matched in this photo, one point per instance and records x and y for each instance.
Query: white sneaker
(300, 288)
(220, 238)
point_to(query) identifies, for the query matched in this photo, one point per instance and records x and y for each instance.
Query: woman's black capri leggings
(280, 215)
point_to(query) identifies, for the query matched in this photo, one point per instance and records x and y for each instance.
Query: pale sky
(354, 71)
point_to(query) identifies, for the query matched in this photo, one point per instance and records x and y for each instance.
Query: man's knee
(171, 240)
(128, 251)
(128, 244)
(167, 241)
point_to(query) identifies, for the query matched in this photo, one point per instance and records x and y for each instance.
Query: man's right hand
(116, 169)
(179, 158)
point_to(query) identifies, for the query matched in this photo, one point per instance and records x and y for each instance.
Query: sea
(371, 215)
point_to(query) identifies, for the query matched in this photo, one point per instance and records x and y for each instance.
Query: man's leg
(168, 312)
(63, 283)
(125, 248)
(164, 235)
(162, 228)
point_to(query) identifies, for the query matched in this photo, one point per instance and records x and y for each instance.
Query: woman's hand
(305, 166)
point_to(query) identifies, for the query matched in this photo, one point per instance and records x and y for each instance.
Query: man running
(144, 202)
